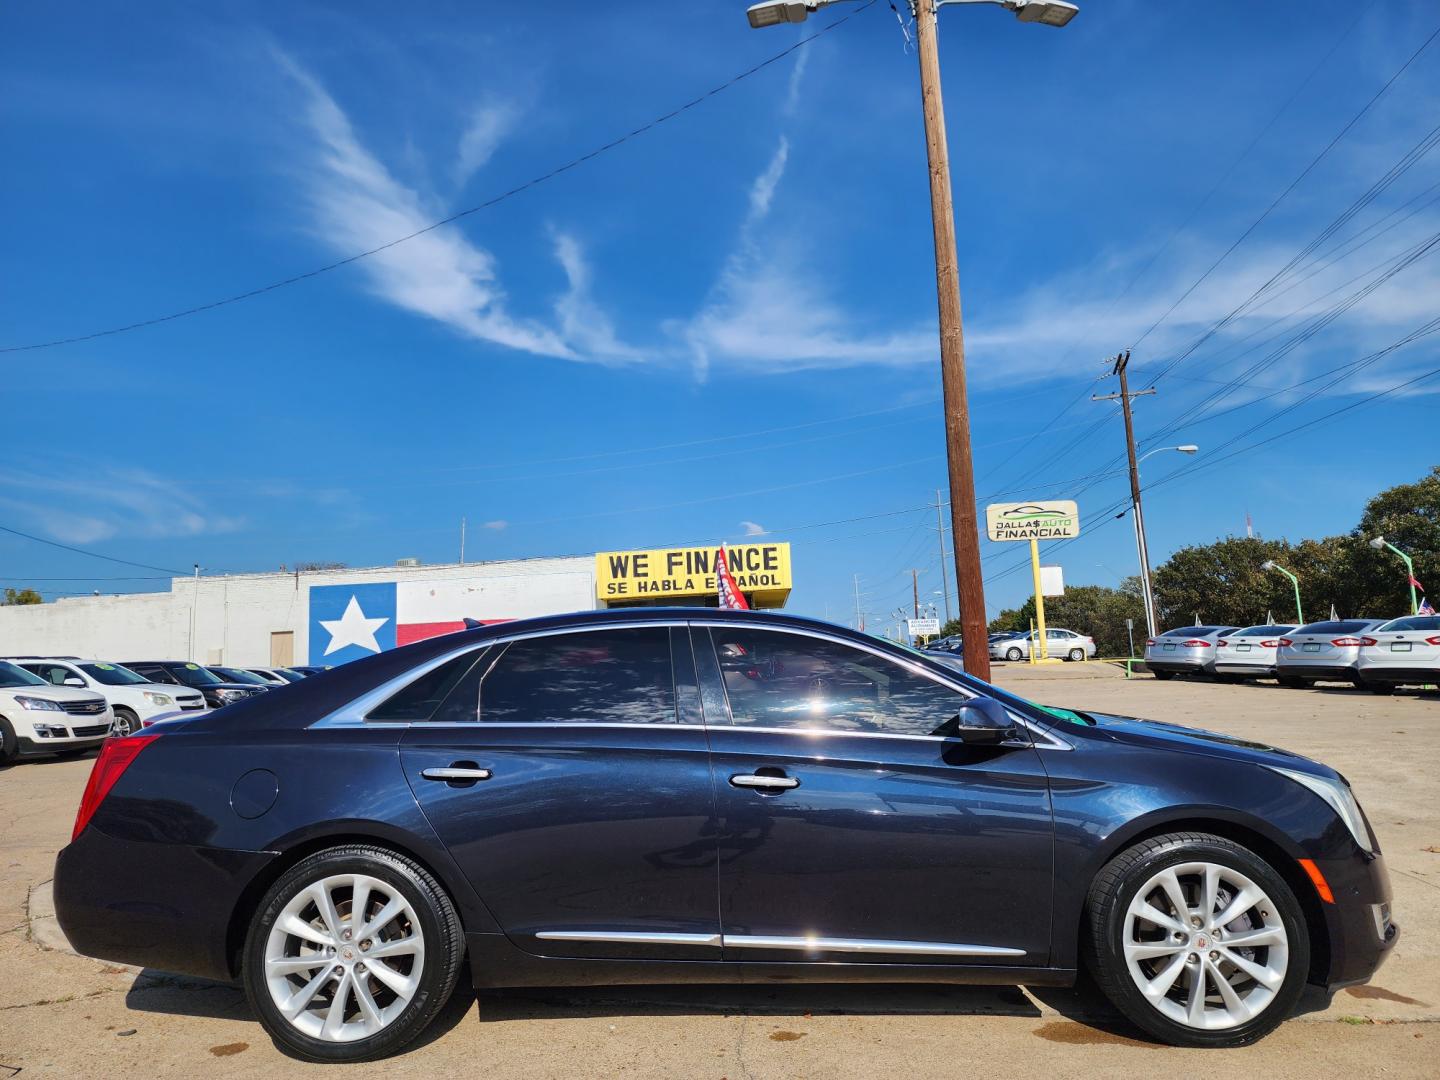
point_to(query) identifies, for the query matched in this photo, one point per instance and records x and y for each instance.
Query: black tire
(1163, 675)
(1110, 896)
(1077, 654)
(125, 721)
(1013, 654)
(444, 943)
(9, 744)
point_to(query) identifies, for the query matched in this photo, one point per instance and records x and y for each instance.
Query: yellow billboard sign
(687, 575)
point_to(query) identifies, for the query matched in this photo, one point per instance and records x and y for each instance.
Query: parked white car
(38, 719)
(275, 676)
(134, 699)
(1401, 652)
(1326, 651)
(1059, 645)
(1249, 653)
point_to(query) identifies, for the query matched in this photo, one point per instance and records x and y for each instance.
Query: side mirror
(983, 721)
(74, 680)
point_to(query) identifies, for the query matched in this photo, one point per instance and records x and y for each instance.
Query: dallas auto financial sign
(1058, 520)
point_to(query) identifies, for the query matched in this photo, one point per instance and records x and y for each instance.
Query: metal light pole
(1380, 544)
(964, 520)
(1271, 564)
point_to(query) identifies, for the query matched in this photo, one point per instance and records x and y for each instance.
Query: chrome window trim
(352, 714)
(863, 945)
(1042, 738)
(629, 938)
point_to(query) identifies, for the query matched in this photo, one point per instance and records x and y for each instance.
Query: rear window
(1341, 626)
(1413, 622)
(1193, 631)
(1262, 631)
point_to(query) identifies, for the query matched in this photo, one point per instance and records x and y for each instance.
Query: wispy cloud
(490, 122)
(583, 323)
(752, 528)
(497, 525)
(82, 505)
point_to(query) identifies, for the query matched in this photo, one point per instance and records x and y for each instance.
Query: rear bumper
(1327, 672)
(1395, 676)
(1240, 667)
(156, 905)
(1178, 665)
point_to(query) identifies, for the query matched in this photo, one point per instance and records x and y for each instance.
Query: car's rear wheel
(1163, 675)
(1077, 654)
(351, 954)
(1197, 940)
(125, 721)
(9, 744)
(1013, 654)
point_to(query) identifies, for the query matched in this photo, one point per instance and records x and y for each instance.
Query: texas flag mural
(348, 622)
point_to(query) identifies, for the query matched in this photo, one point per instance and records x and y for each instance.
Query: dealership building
(334, 616)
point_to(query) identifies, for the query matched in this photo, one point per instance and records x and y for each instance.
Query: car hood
(1158, 735)
(55, 693)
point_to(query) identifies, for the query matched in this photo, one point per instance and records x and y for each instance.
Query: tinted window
(605, 676)
(775, 679)
(193, 675)
(1343, 626)
(112, 674)
(11, 675)
(1193, 631)
(239, 675)
(55, 674)
(1413, 622)
(1263, 631)
(423, 697)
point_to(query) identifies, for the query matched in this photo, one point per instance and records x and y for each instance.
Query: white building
(324, 617)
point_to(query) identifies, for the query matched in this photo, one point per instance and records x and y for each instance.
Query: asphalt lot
(64, 1015)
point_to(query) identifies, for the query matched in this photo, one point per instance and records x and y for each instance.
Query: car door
(848, 832)
(583, 811)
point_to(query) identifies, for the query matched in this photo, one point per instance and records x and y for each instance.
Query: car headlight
(1341, 799)
(158, 699)
(39, 704)
(231, 695)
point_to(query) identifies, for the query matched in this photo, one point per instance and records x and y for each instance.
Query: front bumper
(156, 905)
(1359, 943)
(28, 748)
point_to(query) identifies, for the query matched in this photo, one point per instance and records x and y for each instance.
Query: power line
(91, 554)
(487, 204)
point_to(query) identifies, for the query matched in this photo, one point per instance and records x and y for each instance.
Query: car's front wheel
(351, 954)
(1197, 940)
(125, 721)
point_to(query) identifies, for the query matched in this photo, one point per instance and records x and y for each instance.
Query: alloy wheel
(344, 957)
(1205, 945)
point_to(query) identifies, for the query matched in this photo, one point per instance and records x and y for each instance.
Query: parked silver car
(1326, 651)
(1060, 644)
(1249, 653)
(1400, 652)
(1186, 650)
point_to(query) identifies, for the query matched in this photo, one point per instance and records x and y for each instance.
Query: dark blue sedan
(663, 796)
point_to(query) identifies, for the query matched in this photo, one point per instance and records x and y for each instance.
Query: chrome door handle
(764, 783)
(453, 773)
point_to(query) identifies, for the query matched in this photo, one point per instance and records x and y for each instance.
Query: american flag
(731, 598)
(1425, 607)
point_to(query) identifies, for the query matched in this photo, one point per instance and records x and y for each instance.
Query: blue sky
(724, 326)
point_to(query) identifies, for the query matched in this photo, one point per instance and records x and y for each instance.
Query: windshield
(193, 675)
(112, 674)
(10, 675)
(235, 675)
(287, 674)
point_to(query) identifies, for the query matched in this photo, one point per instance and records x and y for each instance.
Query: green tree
(1408, 516)
(1097, 610)
(14, 597)
(1222, 583)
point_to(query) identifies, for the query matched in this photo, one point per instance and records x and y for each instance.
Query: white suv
(37, 718)
(135, 700)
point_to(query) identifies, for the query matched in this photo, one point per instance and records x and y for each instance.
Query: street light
(1380, 544)
(964, 520)
(1142, 544)
(1271, 564)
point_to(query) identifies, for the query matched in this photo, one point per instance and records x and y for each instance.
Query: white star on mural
(352, 628)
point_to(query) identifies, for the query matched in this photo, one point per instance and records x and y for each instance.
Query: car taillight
(1221, 643)
(1368, 641)
(1270, 643)
(1348, 641)
(1149, 642)
(1432, 641)
(1196, 643)
(115, 757)
(1286, 641)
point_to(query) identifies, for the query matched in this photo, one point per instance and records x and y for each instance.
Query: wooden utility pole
(1141, 547)
(964, 524)
(915, 590)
